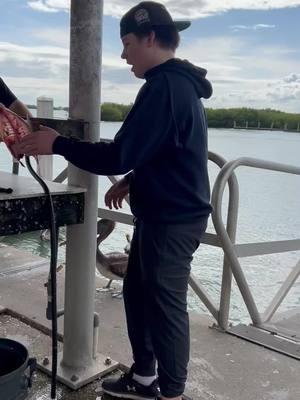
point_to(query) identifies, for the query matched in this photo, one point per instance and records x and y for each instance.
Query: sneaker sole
(128, 396)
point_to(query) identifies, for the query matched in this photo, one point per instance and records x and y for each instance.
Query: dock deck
(222, 366)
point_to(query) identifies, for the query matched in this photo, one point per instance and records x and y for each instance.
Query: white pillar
(84, 103)
(45, 110)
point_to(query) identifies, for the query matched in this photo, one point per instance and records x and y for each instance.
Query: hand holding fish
(12, 129)
(38, 143)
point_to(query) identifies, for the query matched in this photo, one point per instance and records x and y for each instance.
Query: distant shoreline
(225, 118)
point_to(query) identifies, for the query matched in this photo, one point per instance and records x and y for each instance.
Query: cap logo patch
(141, 16)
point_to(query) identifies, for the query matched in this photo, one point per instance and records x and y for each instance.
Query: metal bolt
(46, 361)
(74, 378)
(107, 361)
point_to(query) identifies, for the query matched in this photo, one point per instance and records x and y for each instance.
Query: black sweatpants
(155, 296)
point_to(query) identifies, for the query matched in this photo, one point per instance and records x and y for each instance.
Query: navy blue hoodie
(163, 142)
(6, 95)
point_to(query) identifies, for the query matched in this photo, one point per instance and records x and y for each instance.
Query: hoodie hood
(195, 74)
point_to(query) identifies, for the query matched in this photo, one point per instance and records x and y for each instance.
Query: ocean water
(268, 210)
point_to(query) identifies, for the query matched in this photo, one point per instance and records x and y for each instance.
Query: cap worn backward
(148, 14)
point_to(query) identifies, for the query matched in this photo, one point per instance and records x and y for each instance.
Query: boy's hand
(116, 194)
(38, 143)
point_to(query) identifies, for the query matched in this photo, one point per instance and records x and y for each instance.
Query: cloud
(33, 71)
(241, 76)
(291, 78)
(57, 36)
(51, 57)
(246, 76)
(111, 92)
(26, 54)
(179, 8)
(285, 89)
(263, 26)
(31, 88)
(256, 27)
(257, 93)
(242, 72)
(49, 5)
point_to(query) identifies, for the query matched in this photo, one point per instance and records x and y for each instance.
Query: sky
(250, 49)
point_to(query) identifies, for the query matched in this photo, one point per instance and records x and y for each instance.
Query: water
(269, 204)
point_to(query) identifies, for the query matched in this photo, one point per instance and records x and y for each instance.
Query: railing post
(45, 163)
(228, 245)
(232, 216)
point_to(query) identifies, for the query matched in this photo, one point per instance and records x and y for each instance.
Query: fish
(12, 129)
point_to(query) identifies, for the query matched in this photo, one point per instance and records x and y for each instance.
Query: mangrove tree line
(222, 118)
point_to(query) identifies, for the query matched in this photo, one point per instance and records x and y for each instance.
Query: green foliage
(114, 112)
(221, 118)
(224, 118)
(218, 118)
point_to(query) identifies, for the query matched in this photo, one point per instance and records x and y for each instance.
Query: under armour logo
(131, 388)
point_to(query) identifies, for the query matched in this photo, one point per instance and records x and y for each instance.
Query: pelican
(127, 247)
(112, 265)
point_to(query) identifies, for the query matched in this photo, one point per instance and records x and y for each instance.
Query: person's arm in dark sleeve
(8, 98)
(141, 136)
(6, 95)
(19, 108)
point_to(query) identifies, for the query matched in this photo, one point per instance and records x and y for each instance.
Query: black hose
(53, 263)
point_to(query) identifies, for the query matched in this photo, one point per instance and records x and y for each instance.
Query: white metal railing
(234, 251)
(221, 314)
(225, 238)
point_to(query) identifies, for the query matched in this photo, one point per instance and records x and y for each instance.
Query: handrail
(231, 226)
(222, 314)
(282, 293)
(62, 176)
(230, 249)
(262, 248)
(225, 238)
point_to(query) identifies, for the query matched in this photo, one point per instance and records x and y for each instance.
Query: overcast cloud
(183, 8)
(237, 28)
(251, 57)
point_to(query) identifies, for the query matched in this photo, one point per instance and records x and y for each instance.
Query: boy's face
(136, 52)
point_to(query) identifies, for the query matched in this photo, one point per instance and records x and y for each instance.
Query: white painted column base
(75, 378)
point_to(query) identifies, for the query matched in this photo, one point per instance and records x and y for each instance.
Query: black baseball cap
(148, 14)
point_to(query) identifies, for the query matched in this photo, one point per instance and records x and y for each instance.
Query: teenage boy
(162, 149)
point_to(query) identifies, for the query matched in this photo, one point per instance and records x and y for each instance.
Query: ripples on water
(269, 204)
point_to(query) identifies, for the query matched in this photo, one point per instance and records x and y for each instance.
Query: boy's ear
(151, 39)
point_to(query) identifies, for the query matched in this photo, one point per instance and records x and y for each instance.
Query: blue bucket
(16, 369)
